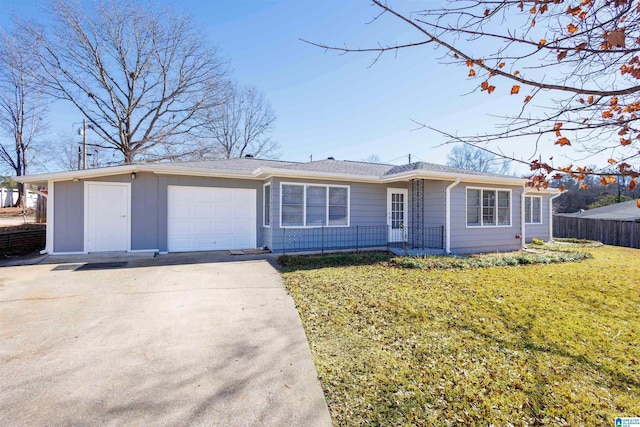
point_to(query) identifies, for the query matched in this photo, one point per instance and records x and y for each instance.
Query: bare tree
(22, 107)
(373, 158)
(239, 126)
(65, 153)
(574, 66)
(138, 74)
(466, 156)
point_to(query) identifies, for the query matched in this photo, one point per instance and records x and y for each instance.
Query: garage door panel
(180, 243)
(201, 243)
(181, 228)
(242, 213)
(243, 197)
(201, 228)
(202, 210)
(226, 211)
(182, 196)
(179, 209)
(225, 195)
(210, 218)
(238, 229)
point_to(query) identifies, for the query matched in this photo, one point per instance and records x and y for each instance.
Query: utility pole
(409, 158)
(84, 142)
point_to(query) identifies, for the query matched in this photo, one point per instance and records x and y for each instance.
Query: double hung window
(488, 207)
(533, 209)
(312, 205)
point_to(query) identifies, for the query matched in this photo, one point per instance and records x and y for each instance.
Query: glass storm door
(397, 214)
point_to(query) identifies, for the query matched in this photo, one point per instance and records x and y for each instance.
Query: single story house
(289, 206)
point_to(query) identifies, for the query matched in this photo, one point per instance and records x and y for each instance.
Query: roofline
(450, 176)
(119, 170)
(268, 172)
(78, 174)
(262, 173)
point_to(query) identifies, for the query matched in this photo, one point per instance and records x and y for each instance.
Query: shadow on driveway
(171, 340)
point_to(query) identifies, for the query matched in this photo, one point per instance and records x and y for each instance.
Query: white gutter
(447, 216)
(264, 173)
(269, 172)
(48, 247)
(551, 214)
(424, 174)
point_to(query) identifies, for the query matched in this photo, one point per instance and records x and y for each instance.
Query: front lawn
(548, 344)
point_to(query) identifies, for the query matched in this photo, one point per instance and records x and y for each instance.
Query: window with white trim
(314, 205)
(488, 207)
(292, 205)
(533, 209)
(266, 212)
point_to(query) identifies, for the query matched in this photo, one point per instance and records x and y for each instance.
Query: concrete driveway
(155, 342)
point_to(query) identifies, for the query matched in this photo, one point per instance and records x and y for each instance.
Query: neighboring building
(289, 206)
(625, 211)
(617, 224)
(8, 198)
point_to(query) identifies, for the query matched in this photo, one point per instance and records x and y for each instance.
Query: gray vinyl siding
(145, 212)
(434, 203)
(466, 239)
(144, 208)
(148, 208)
(68, 216)
(539, 231)
(367, 207)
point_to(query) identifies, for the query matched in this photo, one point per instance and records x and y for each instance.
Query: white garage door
(206, 218)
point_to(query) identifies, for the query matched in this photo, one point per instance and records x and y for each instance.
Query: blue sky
(329, 104)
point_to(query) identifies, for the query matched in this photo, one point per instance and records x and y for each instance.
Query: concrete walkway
(179, 340)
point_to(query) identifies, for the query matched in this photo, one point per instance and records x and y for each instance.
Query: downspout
(447, 216)
(522, 223)
(48, 249)
(551, 214)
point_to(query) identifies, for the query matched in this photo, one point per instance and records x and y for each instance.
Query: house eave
(266, 173)
(447, 176)
(126, 169)
(78, 174)
(269, 172)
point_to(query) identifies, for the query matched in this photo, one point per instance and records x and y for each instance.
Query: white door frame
(86, 211)
(395, 235)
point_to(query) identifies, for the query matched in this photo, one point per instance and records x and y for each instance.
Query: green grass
(547, 344)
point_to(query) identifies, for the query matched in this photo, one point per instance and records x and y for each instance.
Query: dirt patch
(16, 212)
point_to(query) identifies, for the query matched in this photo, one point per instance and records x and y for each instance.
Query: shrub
(483, 261)
(293, 262)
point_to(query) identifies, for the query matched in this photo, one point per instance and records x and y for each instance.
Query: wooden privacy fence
(41, 210)
(607, 231)
(22, 242)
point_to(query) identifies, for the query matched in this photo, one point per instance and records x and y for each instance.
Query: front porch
(415, 218)
(361, 237)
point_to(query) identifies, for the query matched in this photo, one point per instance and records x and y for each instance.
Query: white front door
(107, 225)
(397, 214)
(210, 218)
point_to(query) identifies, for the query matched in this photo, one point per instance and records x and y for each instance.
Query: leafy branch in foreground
(578, 59)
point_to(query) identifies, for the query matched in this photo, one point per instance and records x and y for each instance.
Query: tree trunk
(19, 201)
(128, 157)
